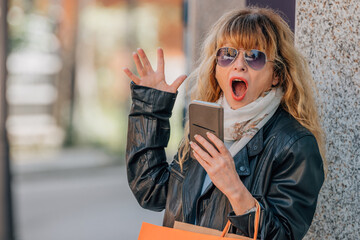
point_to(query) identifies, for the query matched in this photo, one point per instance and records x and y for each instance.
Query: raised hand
(149, 77)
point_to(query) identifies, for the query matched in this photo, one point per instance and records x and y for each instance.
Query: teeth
(237, 80)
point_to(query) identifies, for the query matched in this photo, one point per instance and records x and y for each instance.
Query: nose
(239, 63)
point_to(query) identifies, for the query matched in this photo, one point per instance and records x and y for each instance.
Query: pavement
(67, 159)
(77, 194)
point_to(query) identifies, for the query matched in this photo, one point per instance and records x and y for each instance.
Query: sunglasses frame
(243, 53)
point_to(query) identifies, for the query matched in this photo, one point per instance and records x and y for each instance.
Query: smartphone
(206, 117)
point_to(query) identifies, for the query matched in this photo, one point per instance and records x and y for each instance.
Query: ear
(275, 80)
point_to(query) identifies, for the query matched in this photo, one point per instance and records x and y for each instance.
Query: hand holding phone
(206, 117)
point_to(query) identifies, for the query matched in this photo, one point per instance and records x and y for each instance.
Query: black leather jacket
(281, 167)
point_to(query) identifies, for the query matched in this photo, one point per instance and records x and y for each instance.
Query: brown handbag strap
(256, 222)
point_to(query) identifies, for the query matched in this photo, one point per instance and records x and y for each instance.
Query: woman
(270, 154)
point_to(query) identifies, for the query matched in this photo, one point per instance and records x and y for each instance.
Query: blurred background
(68, 101)
(65, 84)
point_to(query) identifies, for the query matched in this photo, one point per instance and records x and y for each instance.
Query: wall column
(328, 34)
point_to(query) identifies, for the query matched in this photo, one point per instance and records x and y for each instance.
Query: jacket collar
(256, 144)
(254, 147)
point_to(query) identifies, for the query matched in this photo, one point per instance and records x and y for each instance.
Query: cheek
(216, 72)
(220, 77)
(268, 78)
(262, 83)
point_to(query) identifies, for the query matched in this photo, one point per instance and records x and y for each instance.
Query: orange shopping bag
(184, 231)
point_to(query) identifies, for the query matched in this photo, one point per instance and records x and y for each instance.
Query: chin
(234, 104)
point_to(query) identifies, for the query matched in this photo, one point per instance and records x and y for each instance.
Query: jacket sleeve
(289, 205)
(148, 135)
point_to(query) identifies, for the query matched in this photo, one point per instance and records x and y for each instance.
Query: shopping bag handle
(256, 222)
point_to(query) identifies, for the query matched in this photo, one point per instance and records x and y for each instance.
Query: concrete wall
(202, 14)
(327, 32)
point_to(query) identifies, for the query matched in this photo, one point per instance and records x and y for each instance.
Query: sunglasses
(255, 59)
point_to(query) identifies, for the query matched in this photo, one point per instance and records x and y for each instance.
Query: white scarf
(242, 124)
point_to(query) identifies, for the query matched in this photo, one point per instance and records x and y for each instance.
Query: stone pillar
(328, 34)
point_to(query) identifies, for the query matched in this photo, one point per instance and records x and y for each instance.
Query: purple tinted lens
(255, 59)
(225, 56)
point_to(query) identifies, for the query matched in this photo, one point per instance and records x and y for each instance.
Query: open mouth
(239, 88)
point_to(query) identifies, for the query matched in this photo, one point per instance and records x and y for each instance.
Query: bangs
(249, 31)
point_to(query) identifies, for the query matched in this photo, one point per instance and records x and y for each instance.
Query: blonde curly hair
(263, 29)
